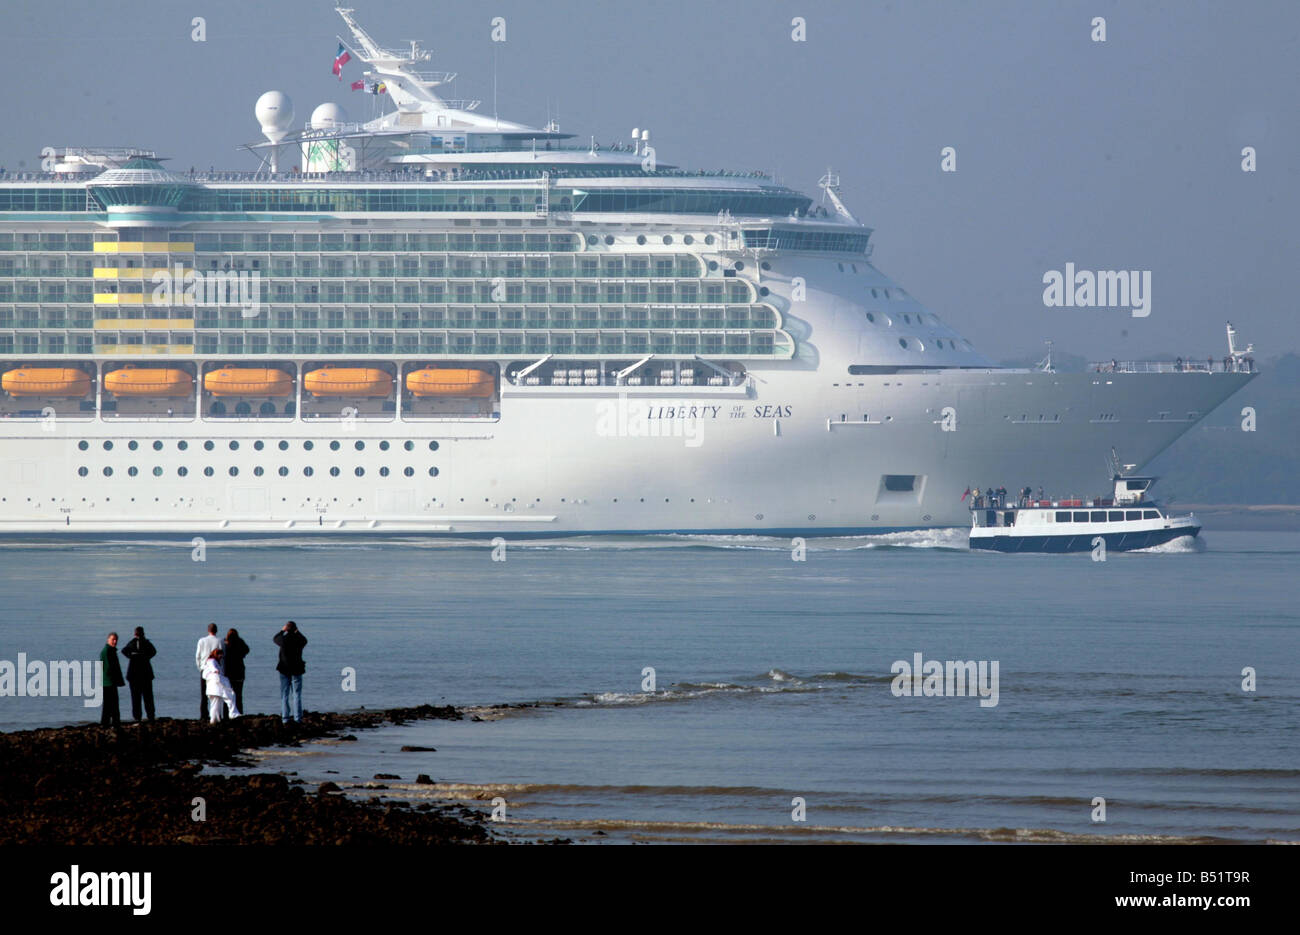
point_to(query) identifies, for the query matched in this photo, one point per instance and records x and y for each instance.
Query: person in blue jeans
(291, 667)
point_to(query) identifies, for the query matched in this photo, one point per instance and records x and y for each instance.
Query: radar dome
(274, 112)
(328, 116)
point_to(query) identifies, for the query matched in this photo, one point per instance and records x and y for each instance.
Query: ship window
(609, 239)
(234, 446)
(284, 446)
(307, 472)
(1063, 517)
(592, 240)
(1150, 514)
(133, 444)
(307, 446)
(1099, 516)
(1133, 514)
(1116, 516)
(433, 472)
(132, 471)
(258, 445)
(871, 318)
(640, 238)
(258, 471)
(334, 446)
(360, 472)
(83, 445)
(283, 472)
(902, 342)
(767, 265)
(740, 264)
(383, 472)
(157, 446)
(108, 446)
(900, 481)
(334, 472)
(82, 472)
(668, 238)
(359, 446)
(182, 471)
(409, 472)
(207, 471)
(433, 446)
(409, 445)
(234, 472)
(1081, 517)
(182, 445)
(383, 446)
(207, 445)
(108, 472)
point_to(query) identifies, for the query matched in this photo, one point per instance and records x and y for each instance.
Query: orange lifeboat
(348, 381)
(248, 381)
(149, 381)
(46, 381)
(444, 381)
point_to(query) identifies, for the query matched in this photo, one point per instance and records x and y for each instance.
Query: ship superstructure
(443, 322)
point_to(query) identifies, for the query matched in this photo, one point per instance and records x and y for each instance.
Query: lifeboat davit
(445, 381)
(46, 381)
(149, 381)
(248, 381)
(348, 381)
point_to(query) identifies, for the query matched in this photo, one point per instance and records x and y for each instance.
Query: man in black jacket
(139, 673)
(233, 662)
(112, 675)
(291, 667)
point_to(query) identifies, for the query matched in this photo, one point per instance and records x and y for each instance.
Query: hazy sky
(1117, 155)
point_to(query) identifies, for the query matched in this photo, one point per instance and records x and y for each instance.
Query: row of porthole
(209, 445)
(592, 239)
(257, 472)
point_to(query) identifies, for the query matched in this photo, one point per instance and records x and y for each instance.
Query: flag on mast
(341, 58)
(358, 86)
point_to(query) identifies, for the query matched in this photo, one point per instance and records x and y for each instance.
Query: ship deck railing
(1185, 365)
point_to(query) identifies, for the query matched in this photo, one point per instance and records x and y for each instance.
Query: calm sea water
(1119, 679)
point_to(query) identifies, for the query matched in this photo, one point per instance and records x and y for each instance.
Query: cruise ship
(440, 322)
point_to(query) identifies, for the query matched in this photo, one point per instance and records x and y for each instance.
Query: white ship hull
(801, 447)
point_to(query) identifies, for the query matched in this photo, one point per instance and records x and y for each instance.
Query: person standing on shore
(112, 676)
(139, 673)
(291, 667)
(201, 654)
(218, 687)
(236, 650)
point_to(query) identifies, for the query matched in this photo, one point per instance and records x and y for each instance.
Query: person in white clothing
(201, 654)
(218, 688)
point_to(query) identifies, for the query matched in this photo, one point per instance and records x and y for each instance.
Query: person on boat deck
(219, 689)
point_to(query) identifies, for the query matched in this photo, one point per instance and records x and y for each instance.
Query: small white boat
(1125, 521)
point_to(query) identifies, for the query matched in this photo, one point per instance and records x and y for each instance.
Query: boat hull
(1115, 541)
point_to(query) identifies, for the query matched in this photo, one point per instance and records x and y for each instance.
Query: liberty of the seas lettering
(683, 412)
(772, 412)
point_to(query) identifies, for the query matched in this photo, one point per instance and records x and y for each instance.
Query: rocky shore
(138, 785)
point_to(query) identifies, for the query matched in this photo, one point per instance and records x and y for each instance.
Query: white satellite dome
(274, 112)
(328, 116)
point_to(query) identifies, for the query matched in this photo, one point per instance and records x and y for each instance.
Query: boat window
(900, 482)
(1117, 516)
(1099, 516)
(1081, 517)
(1133, 514)
(1150, 514)
(1063, 517)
